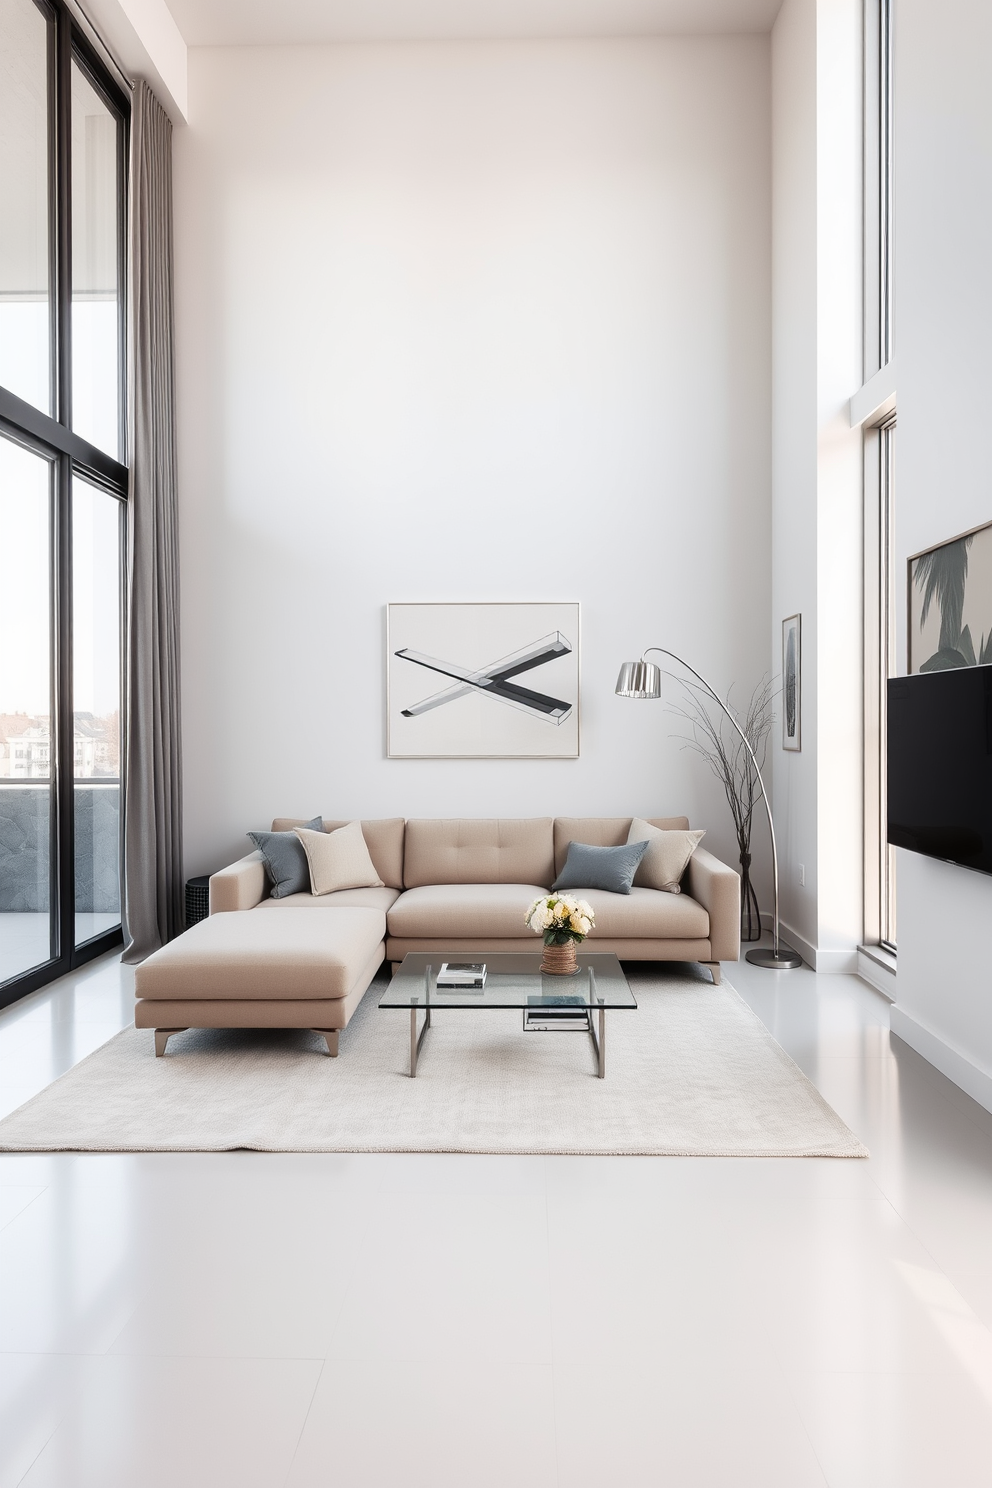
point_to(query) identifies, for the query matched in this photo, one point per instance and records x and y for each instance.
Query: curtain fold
(152, 846)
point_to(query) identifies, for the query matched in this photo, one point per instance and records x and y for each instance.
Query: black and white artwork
(792, 678)
(482, 681)
(950, 604)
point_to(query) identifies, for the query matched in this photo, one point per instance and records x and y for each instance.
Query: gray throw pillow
(609, 868)
(285, 860)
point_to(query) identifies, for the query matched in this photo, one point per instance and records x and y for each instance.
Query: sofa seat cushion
(245, 955)
(643, 914)
(495, 910)
(340, 899)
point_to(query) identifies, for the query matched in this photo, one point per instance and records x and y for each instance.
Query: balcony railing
(25, 861)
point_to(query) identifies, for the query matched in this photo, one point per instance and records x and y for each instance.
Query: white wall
(468, 321)
(816, 466)
(943, 326)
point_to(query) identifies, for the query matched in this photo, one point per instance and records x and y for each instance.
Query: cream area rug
(691, 1072)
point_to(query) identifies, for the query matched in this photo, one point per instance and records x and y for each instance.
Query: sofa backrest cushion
(603, 831)
(383, 838)
(467, 850)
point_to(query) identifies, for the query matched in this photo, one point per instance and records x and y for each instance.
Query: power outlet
(802, 875)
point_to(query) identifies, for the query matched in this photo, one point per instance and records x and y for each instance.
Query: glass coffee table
(549, 1003)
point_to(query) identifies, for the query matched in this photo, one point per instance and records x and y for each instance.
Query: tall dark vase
(750, 912)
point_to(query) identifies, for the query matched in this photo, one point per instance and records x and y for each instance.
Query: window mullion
(885, 184)
(62, 104)
(124, 179)
(62, 723)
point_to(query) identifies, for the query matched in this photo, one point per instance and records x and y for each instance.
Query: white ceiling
(275, 22)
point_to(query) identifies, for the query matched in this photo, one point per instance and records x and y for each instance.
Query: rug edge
(858, 1152)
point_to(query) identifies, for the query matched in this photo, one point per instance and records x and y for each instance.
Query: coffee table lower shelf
(598, 1035)
(548, 1003)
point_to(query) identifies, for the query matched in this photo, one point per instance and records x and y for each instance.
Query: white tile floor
(247, 1319)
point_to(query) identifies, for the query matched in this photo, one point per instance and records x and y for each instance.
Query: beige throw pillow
(339, 859)
(665, 860)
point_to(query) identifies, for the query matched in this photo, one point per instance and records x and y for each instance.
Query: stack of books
(557, 1015)
(461, 976)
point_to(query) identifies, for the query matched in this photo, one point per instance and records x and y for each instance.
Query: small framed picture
(792, 682)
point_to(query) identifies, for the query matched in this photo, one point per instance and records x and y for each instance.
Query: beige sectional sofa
(459, 886)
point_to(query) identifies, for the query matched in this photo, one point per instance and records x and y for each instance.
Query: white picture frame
(482, 681)
(792, 683)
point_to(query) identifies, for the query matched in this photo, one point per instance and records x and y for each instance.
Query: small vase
(750, 912)
(560, 960)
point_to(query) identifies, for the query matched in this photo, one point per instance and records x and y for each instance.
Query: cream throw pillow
(339, 859)
(665, 860)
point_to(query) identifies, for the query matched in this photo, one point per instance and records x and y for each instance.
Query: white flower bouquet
(560, 919)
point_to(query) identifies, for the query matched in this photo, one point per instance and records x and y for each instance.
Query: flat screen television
(940, 765)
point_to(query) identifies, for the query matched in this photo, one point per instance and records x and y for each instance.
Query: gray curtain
(153, 879)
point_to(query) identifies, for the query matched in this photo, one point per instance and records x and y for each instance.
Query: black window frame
(53, 438)
(879, 187)
(880, 596)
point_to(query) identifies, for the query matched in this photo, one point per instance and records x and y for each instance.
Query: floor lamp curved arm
(642, 679)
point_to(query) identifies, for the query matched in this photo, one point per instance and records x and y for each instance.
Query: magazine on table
(461, 976)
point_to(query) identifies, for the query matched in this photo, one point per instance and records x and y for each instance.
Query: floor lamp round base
(781, 960)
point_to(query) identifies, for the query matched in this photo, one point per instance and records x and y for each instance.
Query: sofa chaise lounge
(458, 886)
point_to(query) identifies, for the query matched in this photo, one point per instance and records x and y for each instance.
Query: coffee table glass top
(512, 981)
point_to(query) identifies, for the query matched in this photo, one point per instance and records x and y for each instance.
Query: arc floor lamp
(642, 679)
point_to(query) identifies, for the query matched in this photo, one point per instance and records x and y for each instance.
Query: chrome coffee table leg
(599, 1040)
(416, 1042)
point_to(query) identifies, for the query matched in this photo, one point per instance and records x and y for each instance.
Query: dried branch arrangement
(722, 749)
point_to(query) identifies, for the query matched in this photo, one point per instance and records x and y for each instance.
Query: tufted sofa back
(467, 850)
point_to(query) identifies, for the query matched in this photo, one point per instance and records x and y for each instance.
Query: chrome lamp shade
(639, 679)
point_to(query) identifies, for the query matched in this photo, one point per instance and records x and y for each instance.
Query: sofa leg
(162, 1037)
(713, 967)
(330, 1037)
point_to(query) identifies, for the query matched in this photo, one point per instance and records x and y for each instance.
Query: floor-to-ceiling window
(63, 490)
(881, 588)
(881, 664)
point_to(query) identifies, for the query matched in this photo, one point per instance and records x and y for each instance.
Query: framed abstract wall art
(482, 681)
(950, 603)
(792, 682)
